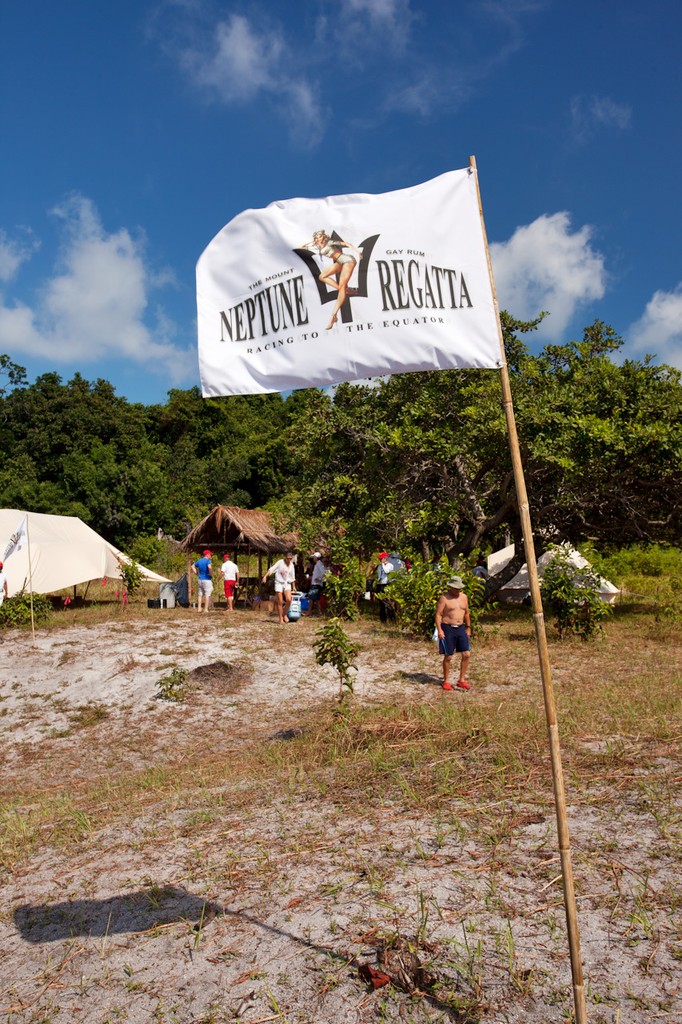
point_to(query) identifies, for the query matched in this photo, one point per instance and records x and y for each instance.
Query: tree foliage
(128, 469)
(424, 458)
(418, 461)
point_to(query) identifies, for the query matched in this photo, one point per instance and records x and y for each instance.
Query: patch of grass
(415, 829)
(480, 764)
(89, 714)
(419, 755)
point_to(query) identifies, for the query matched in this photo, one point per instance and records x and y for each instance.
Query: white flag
(17, 540)
(311, 292)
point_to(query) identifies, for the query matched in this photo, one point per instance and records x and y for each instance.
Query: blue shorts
(456, 639)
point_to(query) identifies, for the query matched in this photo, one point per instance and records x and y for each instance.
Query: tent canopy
(518, 588)
(64, 552)
(227, 528)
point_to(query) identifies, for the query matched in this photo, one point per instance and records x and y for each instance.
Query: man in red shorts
(230, 574)
(453, 625)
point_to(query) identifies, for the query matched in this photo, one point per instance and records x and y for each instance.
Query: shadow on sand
(150, 908)
(422, 678)
(132, 912)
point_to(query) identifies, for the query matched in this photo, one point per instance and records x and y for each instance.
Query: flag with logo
(17, 540)
(311, 292)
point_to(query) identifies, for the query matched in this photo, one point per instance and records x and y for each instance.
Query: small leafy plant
(572, 595)
(173, 686)
(334, 647)
(131, 574)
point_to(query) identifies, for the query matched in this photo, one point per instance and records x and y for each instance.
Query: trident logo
(359, 287)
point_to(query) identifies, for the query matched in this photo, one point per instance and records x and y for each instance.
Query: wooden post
(189, 580)
(30, 581)
(543, 656)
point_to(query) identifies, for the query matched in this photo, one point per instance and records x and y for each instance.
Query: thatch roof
(238, 529)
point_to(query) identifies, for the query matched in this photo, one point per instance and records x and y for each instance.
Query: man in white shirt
(317, 576)
(284, 572)
(230, 574)
(384, 570)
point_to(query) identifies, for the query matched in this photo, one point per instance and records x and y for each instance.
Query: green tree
(127, 469)
(423, 459)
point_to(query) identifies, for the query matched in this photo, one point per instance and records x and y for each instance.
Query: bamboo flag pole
(30, 579)
(543, 656)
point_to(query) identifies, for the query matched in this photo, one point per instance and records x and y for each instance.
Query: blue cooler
(295, 608)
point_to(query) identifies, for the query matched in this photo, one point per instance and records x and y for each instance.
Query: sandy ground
(288, 910)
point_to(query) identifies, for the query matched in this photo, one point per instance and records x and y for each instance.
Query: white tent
(64, 552)
(518, 588)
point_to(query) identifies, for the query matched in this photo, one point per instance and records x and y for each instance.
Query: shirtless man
(454, 629)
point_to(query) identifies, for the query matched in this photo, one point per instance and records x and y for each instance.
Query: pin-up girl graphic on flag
(343, 265)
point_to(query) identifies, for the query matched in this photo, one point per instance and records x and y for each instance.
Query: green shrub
(415, 594)
(648, 572)
(572, 596)
(147, 550)
(343, 591)
(16, 611)
(651, 560)
(160, 555)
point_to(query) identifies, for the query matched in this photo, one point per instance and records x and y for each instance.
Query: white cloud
(659, 329)
(590, 115)
(12, 254)
(426, 90)
(361, 19)
(238, 63)
(544, 266)
(360, 61)
(241, 63)
(428, 80)
(380, 11)
(94, 307)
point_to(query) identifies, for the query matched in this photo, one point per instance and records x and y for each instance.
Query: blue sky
(132, 132)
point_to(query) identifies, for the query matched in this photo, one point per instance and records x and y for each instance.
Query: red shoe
(462, 685)
(446, 686)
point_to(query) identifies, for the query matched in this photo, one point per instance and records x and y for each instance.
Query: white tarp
(518, 588)
(311, 292)
(64, 552)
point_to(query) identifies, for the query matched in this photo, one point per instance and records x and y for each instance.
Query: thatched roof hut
(243, 530)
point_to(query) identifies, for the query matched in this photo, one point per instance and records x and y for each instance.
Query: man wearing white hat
(316, 581)
(453, 625)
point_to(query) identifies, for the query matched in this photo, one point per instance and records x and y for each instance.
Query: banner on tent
(311, 292)
(17, 539)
